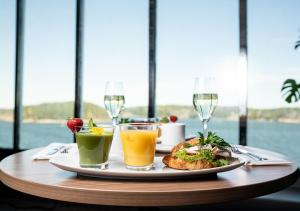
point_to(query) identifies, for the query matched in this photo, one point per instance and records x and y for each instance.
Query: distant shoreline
(58, 113)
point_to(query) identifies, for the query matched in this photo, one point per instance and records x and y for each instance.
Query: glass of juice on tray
(94, 145)
(139, 141)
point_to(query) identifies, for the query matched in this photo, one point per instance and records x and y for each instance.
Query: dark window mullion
(243, 72)
(20, 15)
(152, 58)
(79, 57)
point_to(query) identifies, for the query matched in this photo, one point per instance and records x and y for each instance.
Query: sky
(194, 38)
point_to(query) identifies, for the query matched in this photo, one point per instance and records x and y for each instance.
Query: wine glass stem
(205, 122)
(114, 121)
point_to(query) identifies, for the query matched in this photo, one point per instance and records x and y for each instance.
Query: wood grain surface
(42, 179)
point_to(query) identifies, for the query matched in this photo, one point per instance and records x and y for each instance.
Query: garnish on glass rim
(173, 118)
(74, 124)
(93, 127)
(164, 120)
(91, 123)
(167, 119)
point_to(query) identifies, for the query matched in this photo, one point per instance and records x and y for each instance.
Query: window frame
(79, 32)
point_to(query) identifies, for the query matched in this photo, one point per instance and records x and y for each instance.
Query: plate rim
(144, 174)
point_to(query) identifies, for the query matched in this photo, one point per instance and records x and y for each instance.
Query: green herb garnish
(213, 139)
(91, 123)
(222, 162)
(187, 145)
(124, 120)
(203, 154)
(164, 120)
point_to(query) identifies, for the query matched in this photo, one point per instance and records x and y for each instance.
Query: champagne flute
(114, 100)
(205, 100)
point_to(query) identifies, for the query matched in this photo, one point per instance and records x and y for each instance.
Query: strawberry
(173, 118)
(74, 124)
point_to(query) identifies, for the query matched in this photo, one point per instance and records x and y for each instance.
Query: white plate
(116, 169)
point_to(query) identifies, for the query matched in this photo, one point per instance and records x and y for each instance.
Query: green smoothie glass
(94, 145)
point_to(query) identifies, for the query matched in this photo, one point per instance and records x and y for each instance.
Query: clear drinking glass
(205, 99)
(139, 141)
(114, 100)
(94, 145)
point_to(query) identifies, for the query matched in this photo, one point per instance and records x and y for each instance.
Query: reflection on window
(48, 72)
(7, 40)
(273, 28)
(116, 49)
(198, 38)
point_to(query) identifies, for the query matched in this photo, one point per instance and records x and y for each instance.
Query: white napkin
(271, 161)
(54, 149)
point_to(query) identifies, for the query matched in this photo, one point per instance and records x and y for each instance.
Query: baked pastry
(199, 153)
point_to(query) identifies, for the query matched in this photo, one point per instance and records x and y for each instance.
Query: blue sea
(280, 137)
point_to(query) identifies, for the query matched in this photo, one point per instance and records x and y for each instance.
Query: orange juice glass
(139, 141)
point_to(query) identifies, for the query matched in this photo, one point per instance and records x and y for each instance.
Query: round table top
(40, 178)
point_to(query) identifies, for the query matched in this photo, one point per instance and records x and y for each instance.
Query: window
(194, 38)
(7, 31)
(198, 38)
(116, 49)
(273, 29)
(48, 72)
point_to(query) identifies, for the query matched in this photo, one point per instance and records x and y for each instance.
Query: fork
(237, 150)
(66, 150)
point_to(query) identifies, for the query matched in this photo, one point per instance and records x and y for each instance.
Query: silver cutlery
(55, 150)
(66, 150)
(237, 150)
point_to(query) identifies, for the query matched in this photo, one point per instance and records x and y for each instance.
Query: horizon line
(133, 106)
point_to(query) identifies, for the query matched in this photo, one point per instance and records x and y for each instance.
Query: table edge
(147, 198)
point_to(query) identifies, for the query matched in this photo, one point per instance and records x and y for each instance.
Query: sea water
(279, 137)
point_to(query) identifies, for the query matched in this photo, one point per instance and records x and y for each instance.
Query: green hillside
(64, 110)
(56, 111)
(279, 114)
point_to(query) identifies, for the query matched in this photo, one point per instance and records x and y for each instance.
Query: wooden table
(40, 178)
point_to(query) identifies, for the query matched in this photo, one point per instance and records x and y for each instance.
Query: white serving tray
(116, 168)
